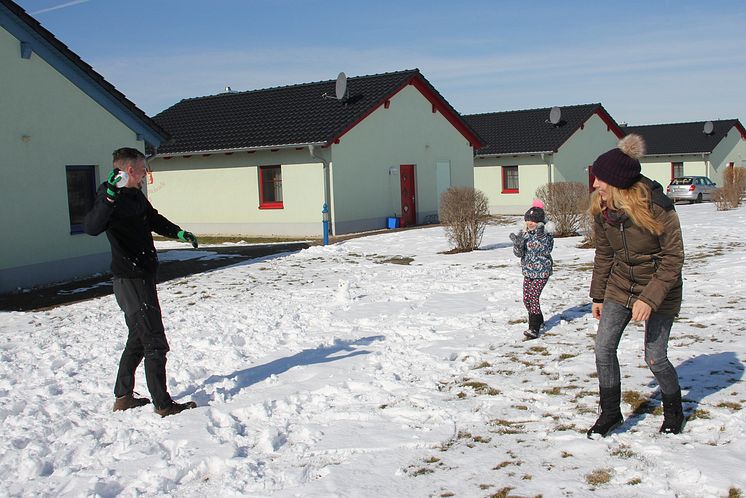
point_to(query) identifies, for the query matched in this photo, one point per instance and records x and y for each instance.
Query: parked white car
(690, 188)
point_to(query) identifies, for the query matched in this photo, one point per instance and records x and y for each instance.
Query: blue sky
(645, 61)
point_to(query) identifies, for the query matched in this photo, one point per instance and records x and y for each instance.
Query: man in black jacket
(123, 211)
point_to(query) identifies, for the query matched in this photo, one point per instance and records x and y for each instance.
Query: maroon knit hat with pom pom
(620, 166)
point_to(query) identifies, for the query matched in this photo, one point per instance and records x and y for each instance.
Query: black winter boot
(533, 326)
(611, 414)
(673, 414)
(541, 320)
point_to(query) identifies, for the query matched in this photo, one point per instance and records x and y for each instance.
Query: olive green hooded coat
(632, 263)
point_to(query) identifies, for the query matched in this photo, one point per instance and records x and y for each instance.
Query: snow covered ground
(381, 367)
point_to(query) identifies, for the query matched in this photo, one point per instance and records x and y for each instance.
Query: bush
(587, 228)
(464, 213)
(730, 195)
(566, 204)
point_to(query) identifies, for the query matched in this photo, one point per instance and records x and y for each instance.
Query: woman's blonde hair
(633, 201)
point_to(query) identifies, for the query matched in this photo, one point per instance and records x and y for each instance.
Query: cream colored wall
(569, 164)
(46, 123)
(581, 149)
(365, 162)
(659, 168)
(219, 194)
(532, 174)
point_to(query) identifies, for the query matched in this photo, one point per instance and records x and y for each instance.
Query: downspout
(325, 209)
(549, 167)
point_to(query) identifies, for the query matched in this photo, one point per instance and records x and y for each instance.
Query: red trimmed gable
(741, 129)
(610, 123)
(438, 103)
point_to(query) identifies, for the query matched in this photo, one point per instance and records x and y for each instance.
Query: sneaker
(175, 408)
(128, 401)
(531, 334)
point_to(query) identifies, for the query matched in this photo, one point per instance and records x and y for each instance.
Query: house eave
(678, 154)
(513, 154)
(235, 150)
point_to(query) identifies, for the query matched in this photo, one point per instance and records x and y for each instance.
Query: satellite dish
(709, 127)
(555, 114)
(340, 90)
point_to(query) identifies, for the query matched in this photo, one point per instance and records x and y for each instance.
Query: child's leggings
(532, 288)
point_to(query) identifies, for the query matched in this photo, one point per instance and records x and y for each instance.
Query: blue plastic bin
(392, 222)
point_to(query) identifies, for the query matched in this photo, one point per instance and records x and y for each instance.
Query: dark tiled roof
(683, 138)
(82, 66)
(289, 115)
(529, 131)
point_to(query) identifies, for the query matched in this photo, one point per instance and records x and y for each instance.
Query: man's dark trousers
(138, 299)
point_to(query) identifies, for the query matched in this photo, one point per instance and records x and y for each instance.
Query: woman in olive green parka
(636, 276)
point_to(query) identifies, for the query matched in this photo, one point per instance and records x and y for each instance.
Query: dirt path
(81, 290)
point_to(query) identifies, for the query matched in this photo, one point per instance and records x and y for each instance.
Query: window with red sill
(270, 187)
(510, 180)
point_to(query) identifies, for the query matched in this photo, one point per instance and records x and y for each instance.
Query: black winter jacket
(128, 224)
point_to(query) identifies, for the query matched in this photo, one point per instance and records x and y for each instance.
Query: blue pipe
(325, 223)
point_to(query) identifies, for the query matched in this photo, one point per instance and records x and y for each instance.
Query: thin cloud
(57, 7)
(652, 76)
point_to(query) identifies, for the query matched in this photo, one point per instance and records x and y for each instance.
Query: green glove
(188, 237)
(112, 187)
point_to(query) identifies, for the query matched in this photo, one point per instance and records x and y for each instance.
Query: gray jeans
(614, 319)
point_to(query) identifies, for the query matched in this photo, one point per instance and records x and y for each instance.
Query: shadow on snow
(699, 377)
(242, 379)
(567, 315)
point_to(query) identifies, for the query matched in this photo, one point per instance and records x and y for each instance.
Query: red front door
(408, 214)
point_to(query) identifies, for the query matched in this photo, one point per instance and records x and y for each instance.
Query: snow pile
(381, 367)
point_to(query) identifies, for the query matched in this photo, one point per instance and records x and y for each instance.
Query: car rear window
(681, 181)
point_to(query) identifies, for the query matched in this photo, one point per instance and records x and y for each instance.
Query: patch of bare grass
(623, 451)
(398, 260)
(639, 402)
(541, 350)
(599, 477)
(728, 404)
(480, 387)
(699, 413)
(502, 426)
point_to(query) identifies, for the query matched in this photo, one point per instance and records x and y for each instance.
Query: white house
(529, 148)
(266, 162)
(702, 148)
(59, 123)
